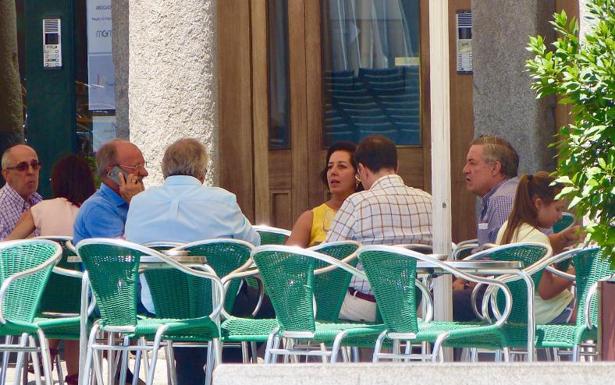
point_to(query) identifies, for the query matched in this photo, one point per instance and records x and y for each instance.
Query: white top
(54, 217)
(545, 310)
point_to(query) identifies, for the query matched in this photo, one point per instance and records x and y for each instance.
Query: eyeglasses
(24, 166)
(135, 167)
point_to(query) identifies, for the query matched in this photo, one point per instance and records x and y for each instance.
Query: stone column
(504, 104)
(120, 12)
(172, 85)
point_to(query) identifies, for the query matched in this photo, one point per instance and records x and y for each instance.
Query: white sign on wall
(101, 76)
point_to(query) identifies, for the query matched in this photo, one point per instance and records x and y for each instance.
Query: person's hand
(459, 284)
(130, 186)
(572, 235)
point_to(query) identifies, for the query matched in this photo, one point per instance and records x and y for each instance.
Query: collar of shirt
(179, 180)
(485, 198)
(18, 201)
(387, 181)
(108, 193)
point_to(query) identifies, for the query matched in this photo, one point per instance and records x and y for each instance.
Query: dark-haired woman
(72, 183)
(536, 208)
(339, 175)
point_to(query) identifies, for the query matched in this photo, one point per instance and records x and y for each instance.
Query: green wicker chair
(565, 222)
(59, 312)
(590, 267)
(113, 268)
(25, 267)
(272, 235)
(391, 272)
(330, 282)
(288, 275)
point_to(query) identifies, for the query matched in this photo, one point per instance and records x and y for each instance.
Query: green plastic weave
(590, 267)
(565, 221)
(176, 294)
(330, 288)
(289, 281)
(113, 274)
(272, 238)
(527, 255)
(392, 278)
(62, 294)
(23, 296)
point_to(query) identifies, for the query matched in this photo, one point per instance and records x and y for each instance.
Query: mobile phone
(114, 174)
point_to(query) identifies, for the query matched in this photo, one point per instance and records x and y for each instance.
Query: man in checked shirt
(387, 212)
(20, 169)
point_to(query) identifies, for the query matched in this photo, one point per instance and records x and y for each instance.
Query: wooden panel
(462, 131)
(425, 94)
(260, 113)
(313, 40)
(280, 169)
(235, 102)
(298, 107)
(411, 166)
(282, 208)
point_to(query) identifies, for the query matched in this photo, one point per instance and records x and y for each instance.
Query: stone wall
(504, 104)
(172, 84)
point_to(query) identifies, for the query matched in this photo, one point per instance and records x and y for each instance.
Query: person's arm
(302, 230)
(565, 238)
(23, 228)
(551, 285)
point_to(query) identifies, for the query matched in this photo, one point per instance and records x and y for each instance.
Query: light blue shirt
(101, 215)
(183, 210)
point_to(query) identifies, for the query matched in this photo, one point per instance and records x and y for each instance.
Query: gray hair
(496, 149)
(106, 156)
(186, 156)
(7, 154)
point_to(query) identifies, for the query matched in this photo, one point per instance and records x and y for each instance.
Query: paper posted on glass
(464, 42)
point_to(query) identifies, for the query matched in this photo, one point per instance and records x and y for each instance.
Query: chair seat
(16, 328)
(355, 332)
(247, 330)
(177, 329)
(473, 334)
(61, 328)
(562, 335)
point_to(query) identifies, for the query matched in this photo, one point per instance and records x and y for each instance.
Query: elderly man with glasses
(121, 168)
(20, 169)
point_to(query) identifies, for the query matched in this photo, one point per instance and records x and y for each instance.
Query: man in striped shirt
(387, 213)
(20, 169)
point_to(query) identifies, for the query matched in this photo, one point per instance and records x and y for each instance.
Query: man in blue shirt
(121, 168)
(183, 210)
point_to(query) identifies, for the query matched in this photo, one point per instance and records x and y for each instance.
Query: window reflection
(279, 104)
(371, 78)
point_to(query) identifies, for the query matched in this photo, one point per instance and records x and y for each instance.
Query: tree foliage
(582, 73)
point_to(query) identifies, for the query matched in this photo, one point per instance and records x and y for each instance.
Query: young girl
(536, 208)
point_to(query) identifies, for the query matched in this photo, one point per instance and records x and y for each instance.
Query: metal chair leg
(19, 364)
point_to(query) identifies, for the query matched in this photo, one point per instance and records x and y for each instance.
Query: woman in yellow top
(339, 176)
(536, 208)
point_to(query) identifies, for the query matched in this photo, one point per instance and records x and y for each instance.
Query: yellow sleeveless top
(322, 216)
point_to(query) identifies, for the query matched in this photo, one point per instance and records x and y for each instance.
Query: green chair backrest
(392, 278)
(62, 294)
(288, 277)
(330, 288)
(272, 235)
(527, 255)
(113, 271)
(23, 296)
(223, 255)
(590, 267)
(565, 221)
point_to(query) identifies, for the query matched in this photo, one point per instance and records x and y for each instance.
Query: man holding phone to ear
(121, 167)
